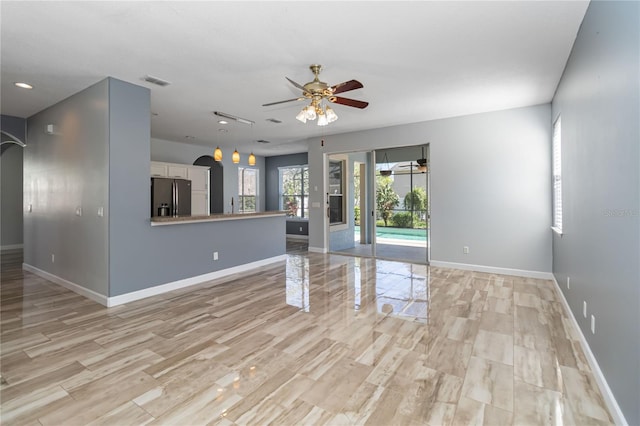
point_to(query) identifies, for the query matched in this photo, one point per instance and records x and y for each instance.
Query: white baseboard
(297, 237)
(187, 282)
(317, 250)
(12, 247)
(89, 294)
(609, 399)
(494, 270)
(151, 291)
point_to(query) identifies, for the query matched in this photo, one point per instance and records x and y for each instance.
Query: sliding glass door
(379, 203)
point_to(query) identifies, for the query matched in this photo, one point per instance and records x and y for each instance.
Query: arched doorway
(216, 180)
(11, 189)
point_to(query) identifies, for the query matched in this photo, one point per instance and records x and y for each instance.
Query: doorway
(386, 195)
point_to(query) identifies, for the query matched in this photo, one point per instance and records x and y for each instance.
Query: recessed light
(189, 137)
(23, 85)
(223, 122)
(223, 130)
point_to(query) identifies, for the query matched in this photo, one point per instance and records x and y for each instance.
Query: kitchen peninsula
(168, 220)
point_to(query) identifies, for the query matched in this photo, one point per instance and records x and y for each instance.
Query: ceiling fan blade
(346, 86)
(282, 102)
(296, 84)
(348, 102)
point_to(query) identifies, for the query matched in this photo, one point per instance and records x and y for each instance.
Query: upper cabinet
(158, 169)
(177, 171)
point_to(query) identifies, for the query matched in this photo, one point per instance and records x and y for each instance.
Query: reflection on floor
(389, 251)
(315, 339)
(295, 245)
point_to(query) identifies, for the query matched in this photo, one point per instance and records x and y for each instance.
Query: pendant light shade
(217, 154)
(235, 157)
(252, 159)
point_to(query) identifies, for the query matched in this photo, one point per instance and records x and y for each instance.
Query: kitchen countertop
(170, 220)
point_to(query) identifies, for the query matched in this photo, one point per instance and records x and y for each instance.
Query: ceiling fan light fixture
(217, 154)
(311, 112)
(322, 120)
(302, 115)
(235, 157)
(331, 114)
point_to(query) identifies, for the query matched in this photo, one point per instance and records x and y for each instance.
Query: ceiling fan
(421, 163)
(317, 91)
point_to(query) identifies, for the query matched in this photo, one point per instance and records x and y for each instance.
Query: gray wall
(490, 174)
(63, 172)
(272, 177)
(143, 256)
(177, 152)
(100, 157)
(11, 158)
(15, 126)
(598, 99)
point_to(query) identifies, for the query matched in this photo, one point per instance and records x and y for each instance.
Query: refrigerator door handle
(174, 191)
(177, 192)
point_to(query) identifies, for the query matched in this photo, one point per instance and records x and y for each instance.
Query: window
(336, 192)
(247, 189)
(557, 176)
(294, 190)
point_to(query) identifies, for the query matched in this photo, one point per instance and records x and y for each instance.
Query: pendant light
(235, 157)
(252, 159)
(217, 154)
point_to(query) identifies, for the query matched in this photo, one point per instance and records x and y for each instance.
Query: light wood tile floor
(318, 339)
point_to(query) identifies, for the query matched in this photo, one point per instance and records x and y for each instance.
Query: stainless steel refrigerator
(170, 197)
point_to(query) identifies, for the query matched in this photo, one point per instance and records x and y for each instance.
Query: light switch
(78, 211)
(101, 211)
(30, 208)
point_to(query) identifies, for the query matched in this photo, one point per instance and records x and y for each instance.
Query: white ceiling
(417, 60)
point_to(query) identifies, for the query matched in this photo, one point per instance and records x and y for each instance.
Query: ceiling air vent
(274, 120)
(262, 141)
(155, 80)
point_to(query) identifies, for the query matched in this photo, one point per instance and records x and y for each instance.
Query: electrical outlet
(593, 324)
(30, 209)
(568, 283)
(101, 211)
(215, 255)
(584, 308)
(53, 258)
(465, 249)
(78, 211)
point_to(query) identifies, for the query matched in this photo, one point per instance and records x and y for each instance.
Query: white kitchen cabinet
(158, 169)
(177, 171)
(199, 177)
(199, 203)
